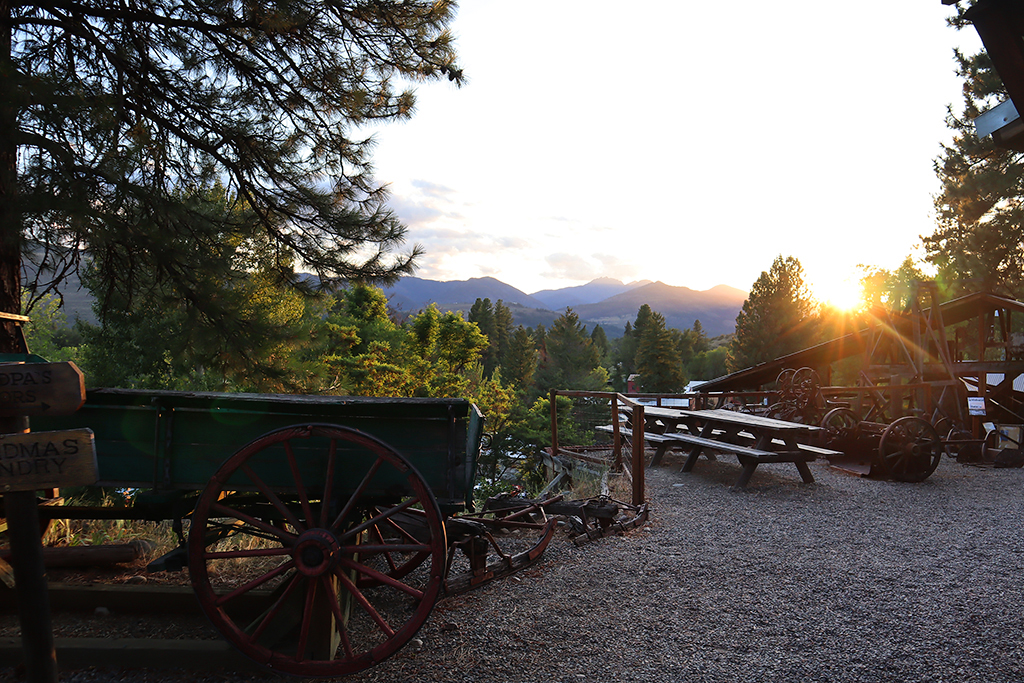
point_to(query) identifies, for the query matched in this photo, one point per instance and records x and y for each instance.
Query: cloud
(613, 266)
(455, 241)
(412, 212)
(425, 203)
(433, 189)
(565, 266)
(451, 253)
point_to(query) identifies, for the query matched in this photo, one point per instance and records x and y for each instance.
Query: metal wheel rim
(839, 423)
(343, 566)
(909, 449)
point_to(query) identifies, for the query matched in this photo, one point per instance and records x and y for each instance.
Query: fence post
(554, 425)
(639, 462)
(616, 436)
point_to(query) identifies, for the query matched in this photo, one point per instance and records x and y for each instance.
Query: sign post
(29, 462)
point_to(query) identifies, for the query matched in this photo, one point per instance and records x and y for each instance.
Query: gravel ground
(843, 580)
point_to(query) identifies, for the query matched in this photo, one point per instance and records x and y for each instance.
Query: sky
(690, 143)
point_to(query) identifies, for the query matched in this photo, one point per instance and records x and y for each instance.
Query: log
(91, 555)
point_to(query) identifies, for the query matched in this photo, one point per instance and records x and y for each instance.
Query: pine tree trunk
(10, 215)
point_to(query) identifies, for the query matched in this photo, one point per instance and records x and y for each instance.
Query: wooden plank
(731, 417)
(47, 460)
(719, 445)
(40, 389)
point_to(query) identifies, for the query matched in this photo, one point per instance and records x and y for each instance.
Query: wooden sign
(47, 460)
(40, 389)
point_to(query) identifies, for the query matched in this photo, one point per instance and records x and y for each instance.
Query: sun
(844, 295)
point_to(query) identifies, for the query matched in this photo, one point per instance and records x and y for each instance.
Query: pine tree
(571, 360)
(114, 119)
(521, 361)
(600, 340)
(624, 358)
(776, 319)
(979, 241)
(503, 326)
(482, 313)
(657, 357)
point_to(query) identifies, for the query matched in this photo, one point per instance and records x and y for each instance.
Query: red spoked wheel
(303, 555)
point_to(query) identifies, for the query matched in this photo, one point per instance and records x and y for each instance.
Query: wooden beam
(999, 24)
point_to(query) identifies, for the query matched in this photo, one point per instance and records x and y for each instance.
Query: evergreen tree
(570, 361)
(624, 358)
(700, 342)
(116, 118)
(151, 339)
(503, 326)
(979, 241)
(892, 289)
(496, 324)
(600, 340)
(776, 319)
(708, 364)
(521, 361)
(657, 357)
(643, 318)
(482, 314)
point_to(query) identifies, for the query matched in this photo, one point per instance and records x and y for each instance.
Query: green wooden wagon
(316, 538)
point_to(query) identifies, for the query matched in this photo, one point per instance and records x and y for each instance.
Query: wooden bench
(748, 456)
(659, 442)
(742, 446)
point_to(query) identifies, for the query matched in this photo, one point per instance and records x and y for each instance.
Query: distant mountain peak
(591, 293)
(604, 301)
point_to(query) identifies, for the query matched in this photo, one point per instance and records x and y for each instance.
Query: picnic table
(753, 439)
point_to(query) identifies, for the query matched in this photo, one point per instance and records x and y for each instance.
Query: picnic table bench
(753, 439)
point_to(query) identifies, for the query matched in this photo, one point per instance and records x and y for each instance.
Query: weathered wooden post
(639, 461)
(554, 424)
(616, 436)
(29, 462)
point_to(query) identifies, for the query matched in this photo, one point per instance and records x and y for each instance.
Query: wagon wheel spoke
(272, 498)
(269, 531)
(255, 583)
(399, 558)
(363, 602)
(376, 519)
(306, 619)
(293, 465)
(380, 577)
(352, 575)
(909, 449)
(269, 617)
(350, 505)
(332, 456)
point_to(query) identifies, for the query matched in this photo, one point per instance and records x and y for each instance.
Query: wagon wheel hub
(316, 552)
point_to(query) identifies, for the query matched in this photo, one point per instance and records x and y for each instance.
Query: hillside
(590, 293)
(412, 294)
(716, 308)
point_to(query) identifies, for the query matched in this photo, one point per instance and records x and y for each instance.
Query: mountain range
(606, 302)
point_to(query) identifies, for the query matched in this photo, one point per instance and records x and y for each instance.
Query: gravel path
(846, 579)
